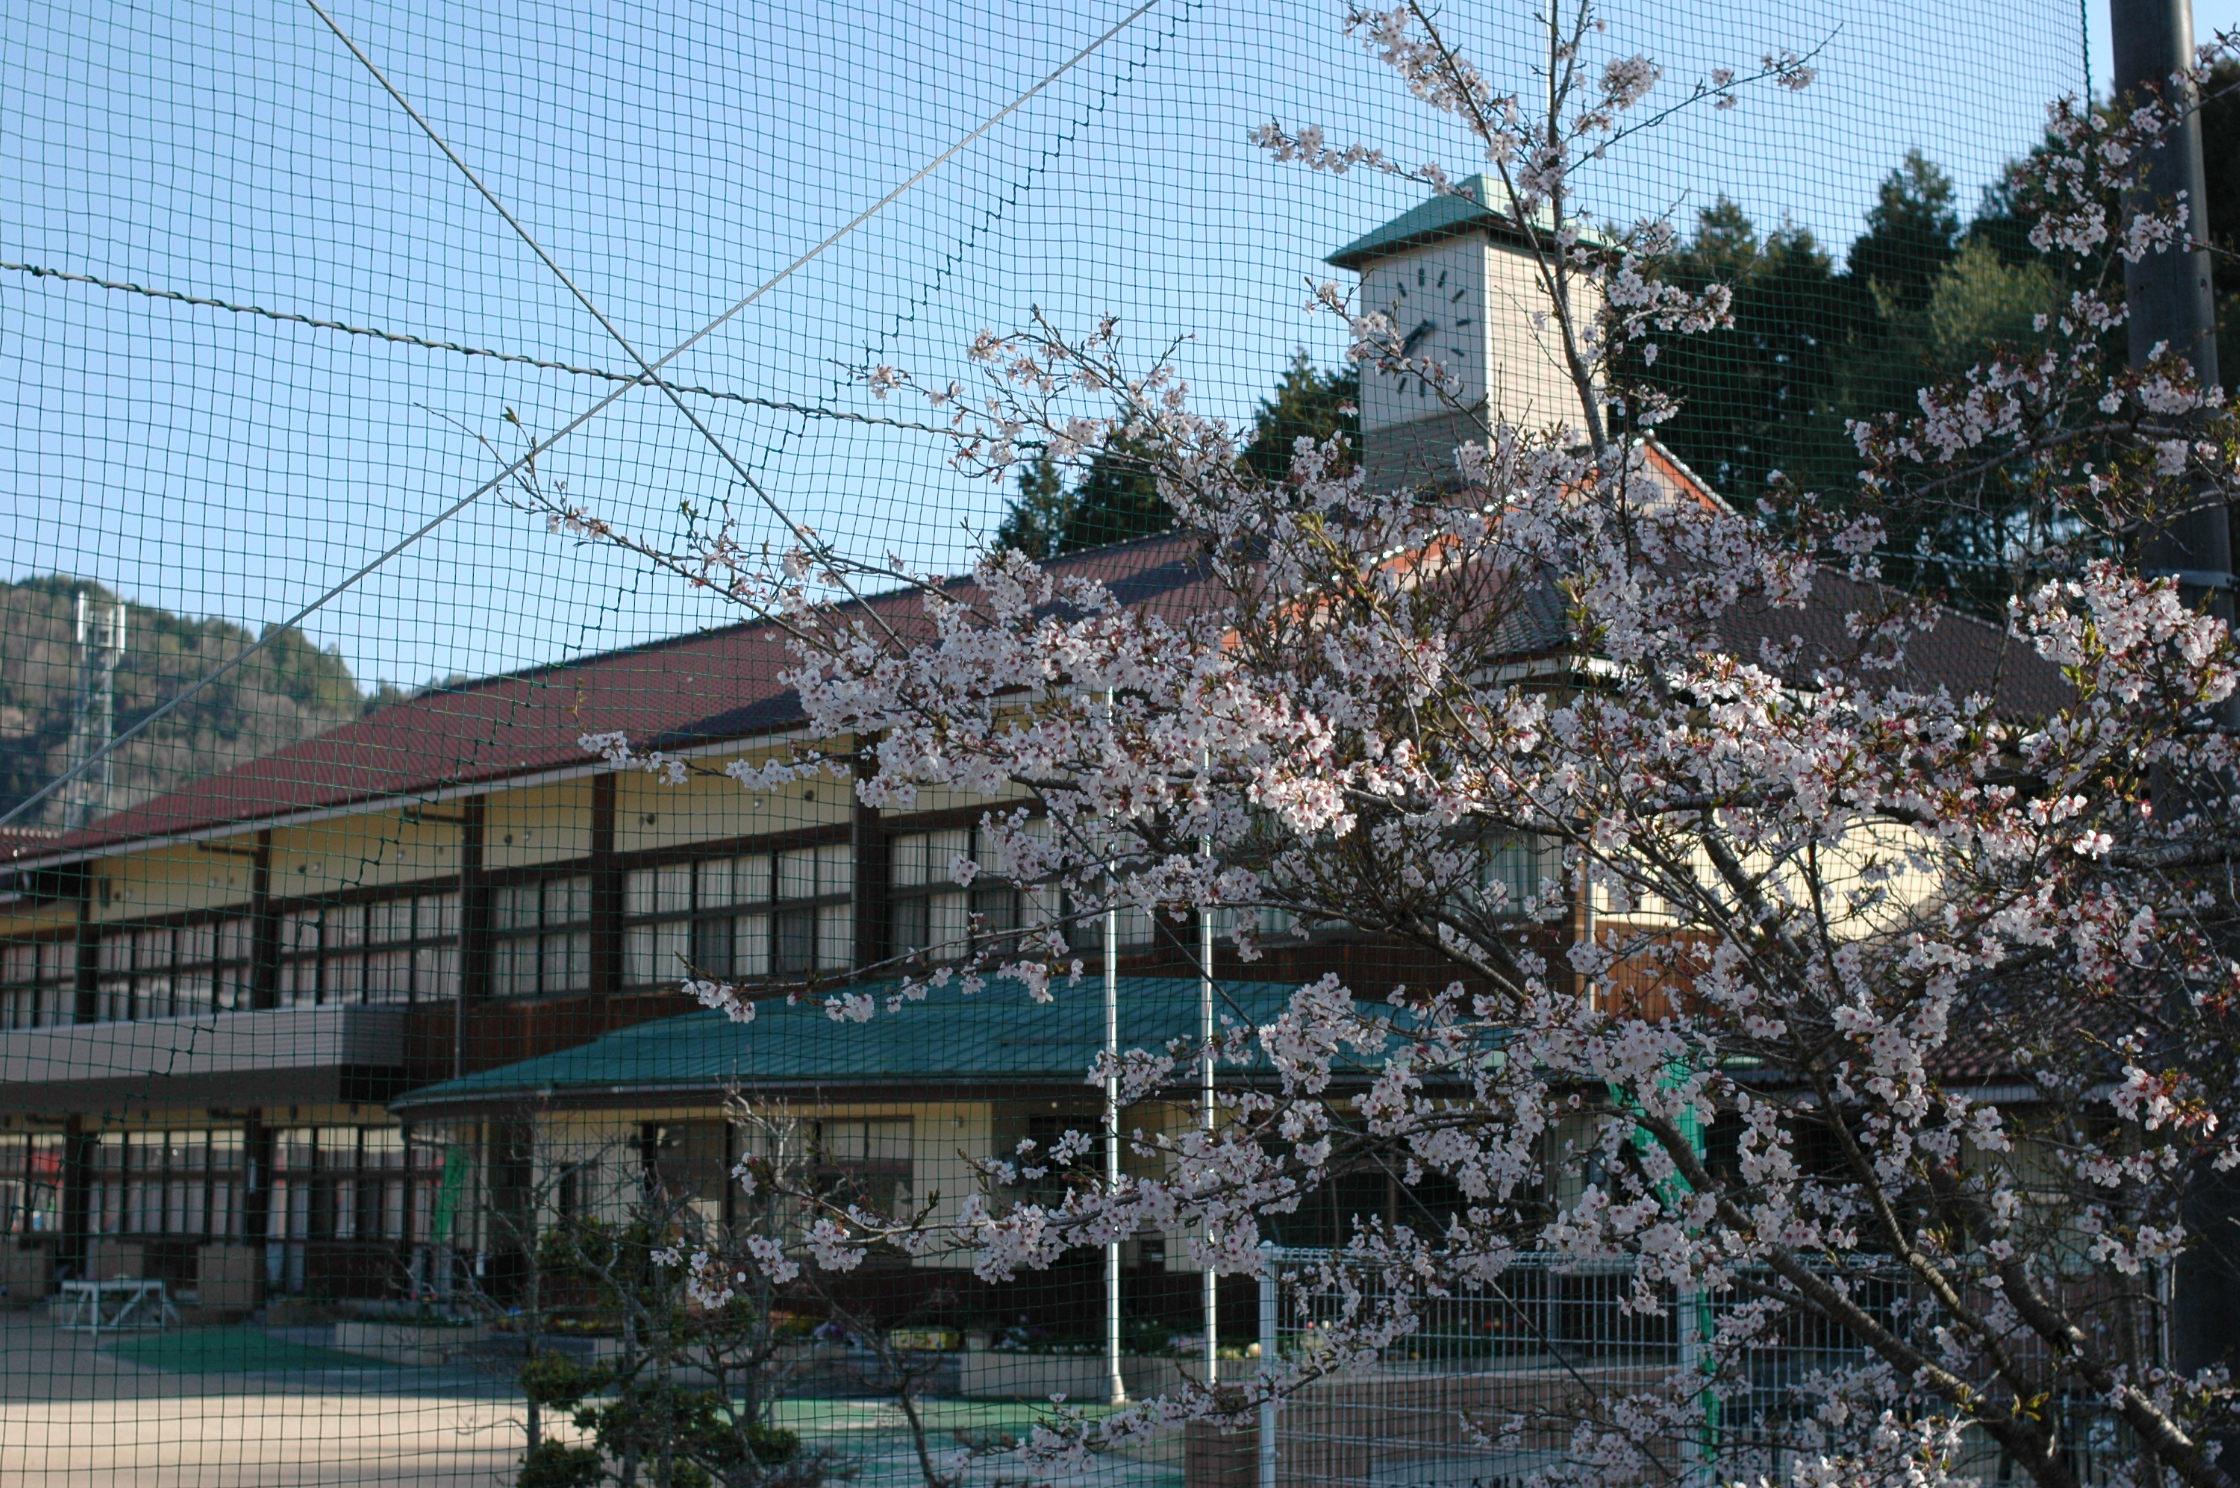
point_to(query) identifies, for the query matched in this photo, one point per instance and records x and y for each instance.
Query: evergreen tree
(1117, 497)
(1918, 302)
(1912, 232)
(1116, 500)
(1754, 398)
(1308, 403)
(1035, 522)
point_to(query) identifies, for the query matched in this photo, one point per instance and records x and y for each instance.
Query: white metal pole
(105, 723)
(1212, 1279)
(1267, 1443)
(1691, 1318)
(1117, 1384)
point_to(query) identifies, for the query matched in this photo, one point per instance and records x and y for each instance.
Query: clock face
(1428, 305)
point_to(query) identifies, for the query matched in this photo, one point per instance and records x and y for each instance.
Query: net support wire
(538, 447)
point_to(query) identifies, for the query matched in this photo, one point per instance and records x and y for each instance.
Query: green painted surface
(458, 1162)
(234, 1351)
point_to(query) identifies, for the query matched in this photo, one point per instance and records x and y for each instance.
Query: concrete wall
(1480, 300)
(210, 1043)
(26, 1274)
(229, 1277)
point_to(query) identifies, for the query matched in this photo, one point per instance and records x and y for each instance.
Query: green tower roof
(1449, 216)
(1444, 216)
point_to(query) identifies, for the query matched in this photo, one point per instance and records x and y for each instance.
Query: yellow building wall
(173, 880)
(33, 918)
(351, 852)
(936, 798)
(539, 824)
(650, 816)
(365, 851)
(1870, 880)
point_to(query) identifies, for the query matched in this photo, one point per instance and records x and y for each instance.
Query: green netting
(329, 988)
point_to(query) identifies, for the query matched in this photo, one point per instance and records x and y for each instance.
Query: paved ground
(256, 1414)
(234, 1408)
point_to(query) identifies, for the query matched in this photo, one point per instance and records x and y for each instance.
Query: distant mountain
(289, 691)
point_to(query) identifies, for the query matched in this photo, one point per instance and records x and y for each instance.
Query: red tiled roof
(722, 684)
(694, 689)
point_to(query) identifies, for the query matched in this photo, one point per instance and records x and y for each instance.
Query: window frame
(31, 1182)
(170, 1182)
(929, 914)
(39, 979)
(332, 966)
(178, 967)
(370, 1190)
(687, 914)
(561, 965)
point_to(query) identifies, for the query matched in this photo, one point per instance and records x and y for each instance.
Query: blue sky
(673, 156)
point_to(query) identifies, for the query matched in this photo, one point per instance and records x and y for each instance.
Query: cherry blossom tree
(1873, 969)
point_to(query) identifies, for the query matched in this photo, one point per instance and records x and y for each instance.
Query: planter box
(407, 1343)
(298, 1312)
(109, 1259)
(1213, 1458)
(26, 1275)
(229, 1279)
(992, 1374)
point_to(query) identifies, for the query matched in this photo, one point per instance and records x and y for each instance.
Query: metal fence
(1487, 1389)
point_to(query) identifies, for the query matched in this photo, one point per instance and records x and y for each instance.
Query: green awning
(998, 1037)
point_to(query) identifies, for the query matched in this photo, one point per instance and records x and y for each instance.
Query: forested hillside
(290, 690)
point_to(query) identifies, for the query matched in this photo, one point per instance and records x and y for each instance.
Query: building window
(688, 1170)
(862, 1160)
(1330, 1214)
(1268, 923)
(341, 1183)
(541, 937)
(740, 918)
(839, 1160)
(402, 948)
(1137, 928)
(31, 1183)
(931, 915)
(176, 971)
(180, 1183)
(1058, 1162)
(38, 982)
(1513, 869)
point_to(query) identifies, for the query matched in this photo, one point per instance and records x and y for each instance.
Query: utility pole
(2168, 294)
(93, 724)
(2171, 305)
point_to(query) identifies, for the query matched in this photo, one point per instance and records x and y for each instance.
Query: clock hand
(1415, 338)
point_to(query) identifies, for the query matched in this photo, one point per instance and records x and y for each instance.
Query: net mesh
(345, 1087)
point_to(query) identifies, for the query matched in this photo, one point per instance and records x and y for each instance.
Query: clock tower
(1459, 282)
